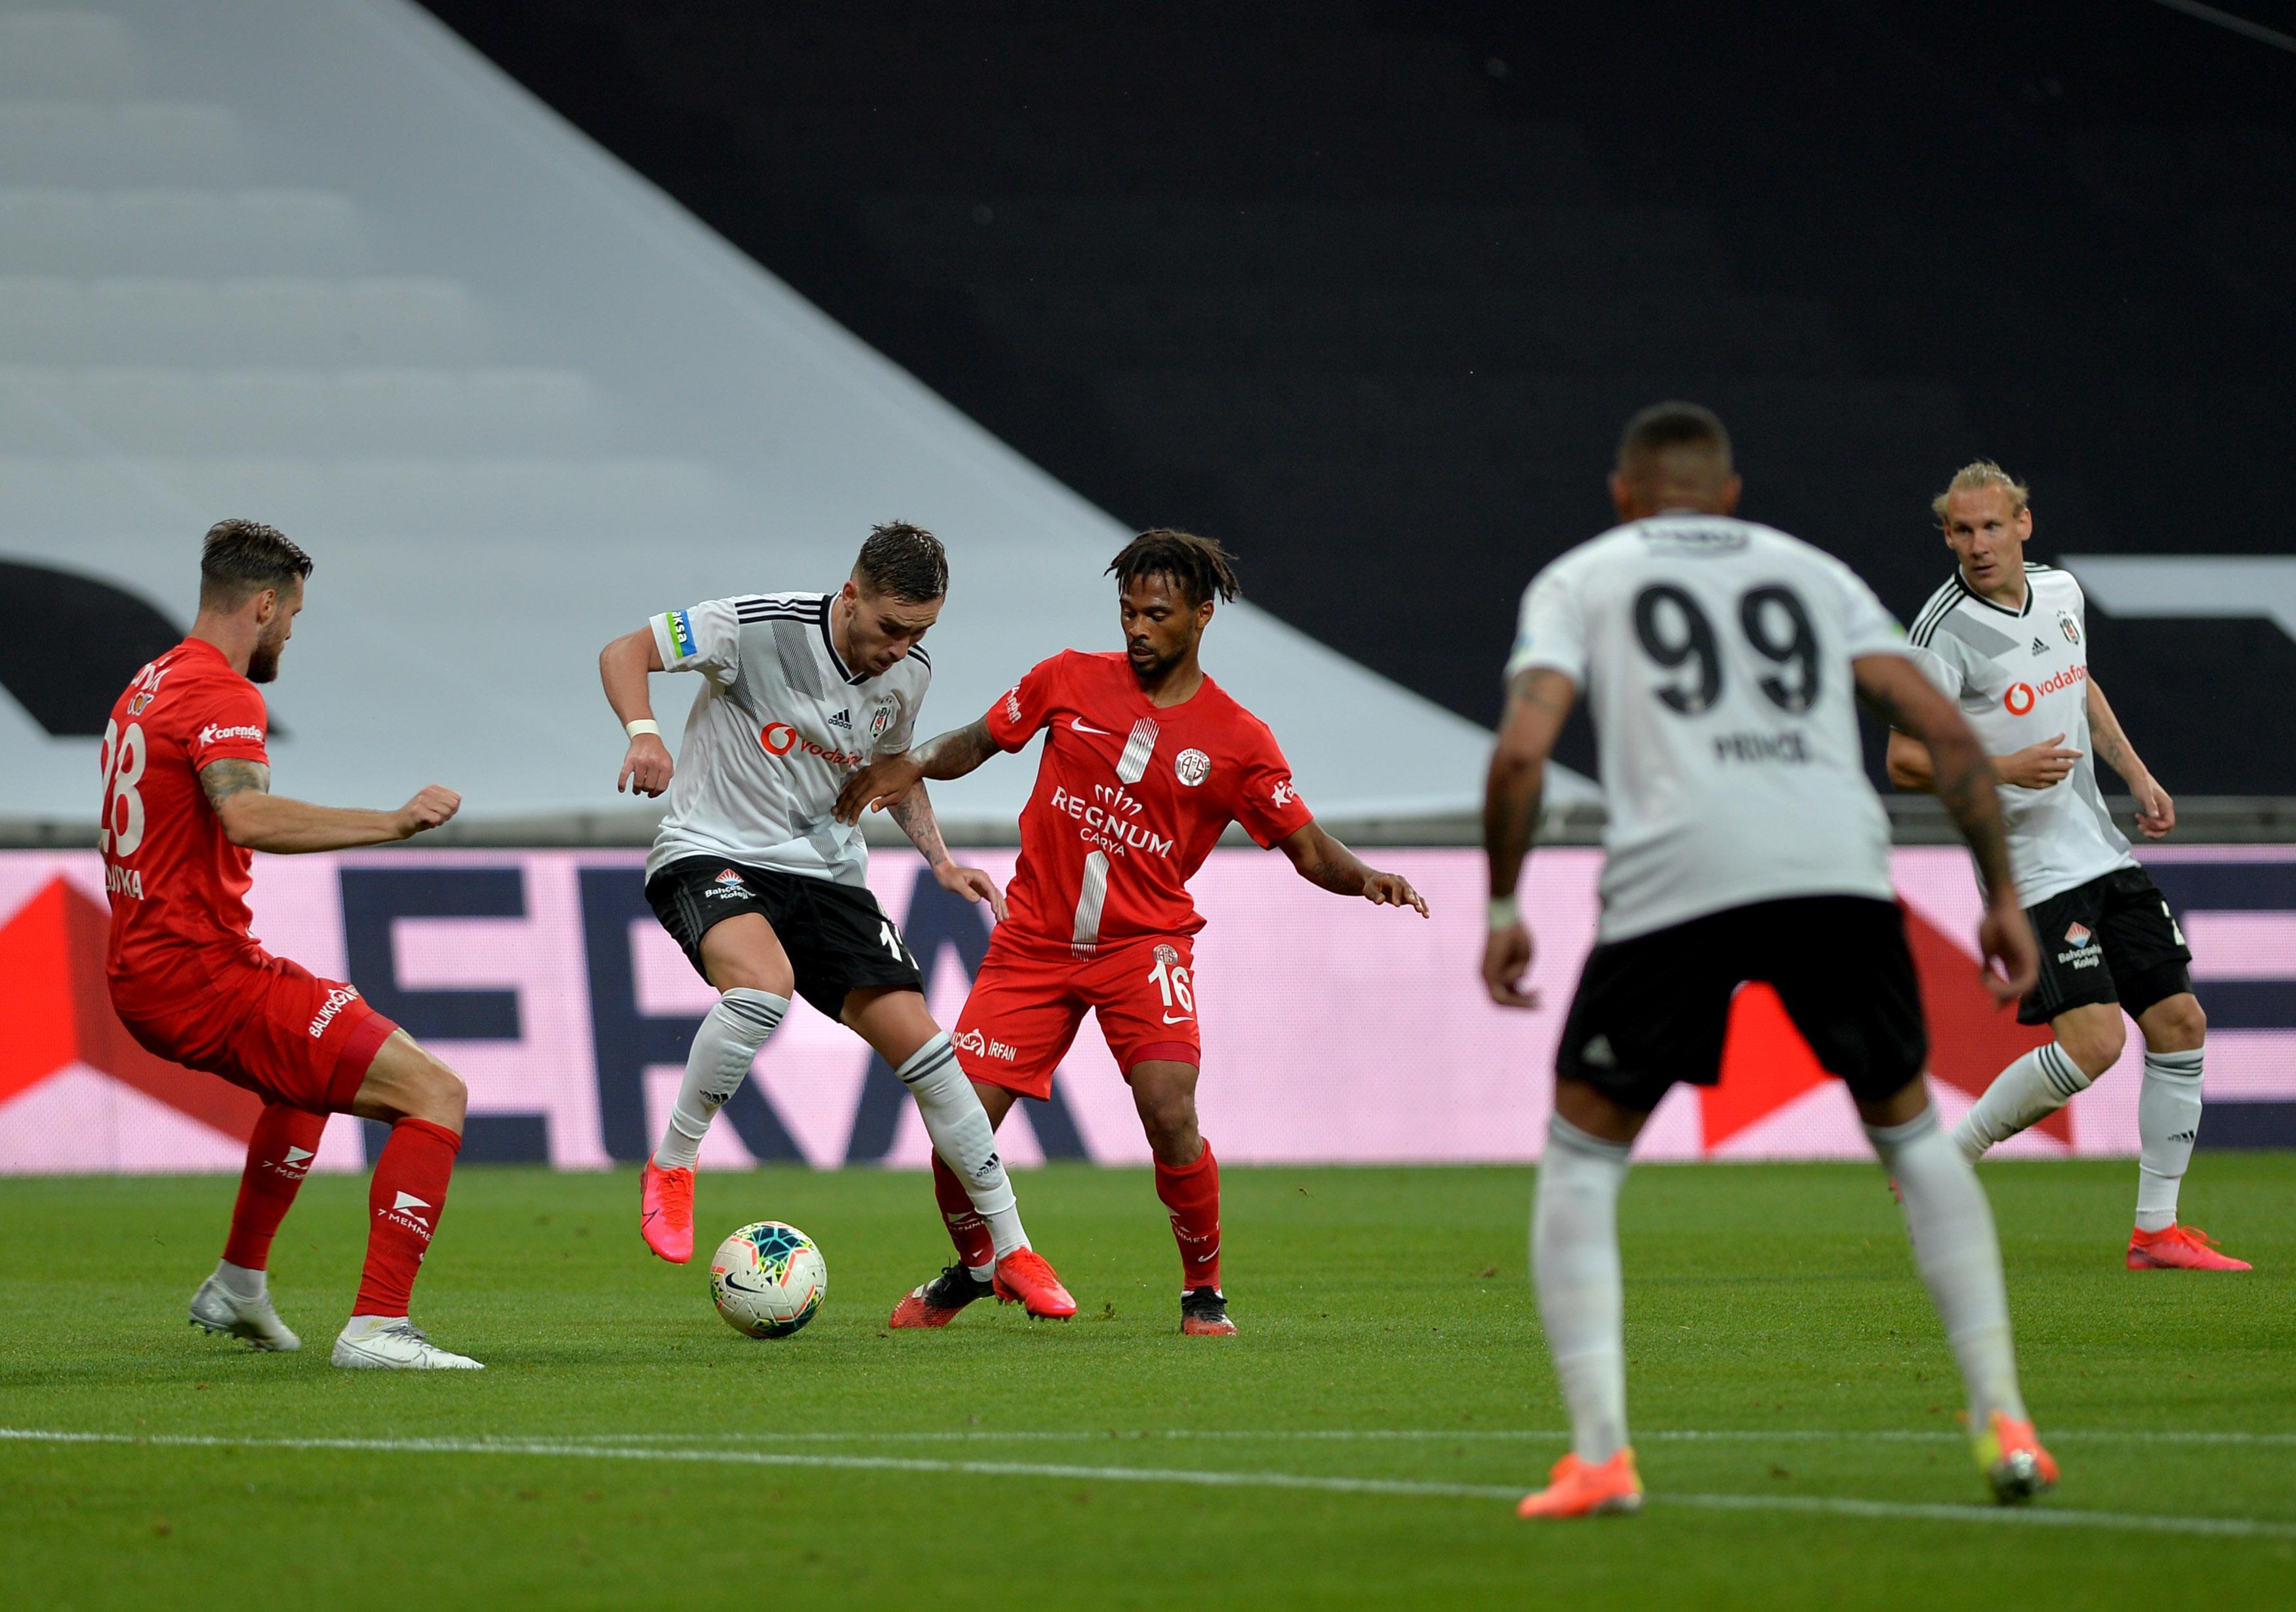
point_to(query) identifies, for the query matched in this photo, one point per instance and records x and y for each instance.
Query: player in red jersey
(1146, 760)
(186, 800)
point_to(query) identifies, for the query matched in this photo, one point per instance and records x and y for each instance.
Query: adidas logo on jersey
(844, 719)
(2040, 648)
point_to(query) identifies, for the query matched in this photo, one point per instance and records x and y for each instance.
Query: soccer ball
(768, 1279)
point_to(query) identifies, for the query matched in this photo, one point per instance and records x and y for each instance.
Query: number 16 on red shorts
(1030, 997)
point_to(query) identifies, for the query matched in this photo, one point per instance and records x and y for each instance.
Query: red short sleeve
(1025, 707)
(226, 723)
(1269, 804)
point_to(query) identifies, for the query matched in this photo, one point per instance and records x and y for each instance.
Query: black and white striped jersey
(1715, 658)
(778, 726)
(2020, 677)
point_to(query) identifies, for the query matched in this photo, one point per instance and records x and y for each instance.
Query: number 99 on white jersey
(1715, 655)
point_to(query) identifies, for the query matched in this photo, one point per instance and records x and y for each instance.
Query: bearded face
(263, 660)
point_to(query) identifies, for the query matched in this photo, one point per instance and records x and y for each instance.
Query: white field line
(2235, 1527)
(1106, 1435)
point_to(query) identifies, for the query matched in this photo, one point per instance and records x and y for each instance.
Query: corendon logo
(338, 999)
(779, 739)
(213, 734)
(2022, 697)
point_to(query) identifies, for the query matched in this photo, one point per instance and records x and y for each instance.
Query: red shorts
(273, 1027)
(1029, 999)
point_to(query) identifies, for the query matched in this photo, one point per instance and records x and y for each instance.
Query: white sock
(2167, 1120)
(365, 1326)
(1574, 1265)
(247, 1286)
(1960, 1260)
(963, 1138)
(728, 1043)
(2026, 1093)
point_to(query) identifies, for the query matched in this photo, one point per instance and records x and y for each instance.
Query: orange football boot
(936, 1303)
(1024, 1278)
(1576, 1489)
(2013, 1459)
(666, 1212)
(1203, 1314)
(2180, 1248)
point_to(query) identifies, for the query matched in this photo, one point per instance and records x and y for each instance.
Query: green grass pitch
(1358, 1444)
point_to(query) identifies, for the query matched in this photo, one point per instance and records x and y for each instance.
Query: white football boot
(218, 1309)
(396, 1346)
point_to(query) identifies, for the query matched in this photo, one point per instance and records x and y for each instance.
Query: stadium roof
(319, 264)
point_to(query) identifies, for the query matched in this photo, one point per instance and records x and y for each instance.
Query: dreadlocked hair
(1199, 566)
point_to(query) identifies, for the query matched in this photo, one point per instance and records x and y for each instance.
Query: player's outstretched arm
(2037, 766)
(254, 817)
(914, 812)
(886, 780)
(1538, 702)
(2156, 814)
(1962, 775)
(1323, 861)
(623, 666)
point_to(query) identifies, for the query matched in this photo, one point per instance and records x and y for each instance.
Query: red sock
(966, 1229)
(278, 1155)
(403, 1206)
(1192, 1193)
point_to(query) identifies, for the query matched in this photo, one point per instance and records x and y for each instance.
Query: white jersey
(1715, 658)
(778, 726)
(2022, 676)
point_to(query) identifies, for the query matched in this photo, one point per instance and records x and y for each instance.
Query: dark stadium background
(1366, 289)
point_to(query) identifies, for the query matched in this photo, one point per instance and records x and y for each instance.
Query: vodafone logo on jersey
(2022, 697)
(779, 739)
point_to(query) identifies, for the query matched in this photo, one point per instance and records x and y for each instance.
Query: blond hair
(1983, 473)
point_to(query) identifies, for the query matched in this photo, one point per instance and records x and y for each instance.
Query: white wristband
(1503, 912)
(643, 725)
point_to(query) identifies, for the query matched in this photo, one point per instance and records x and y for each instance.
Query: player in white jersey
(765, 889)
(1722, 662)
(2008, 639)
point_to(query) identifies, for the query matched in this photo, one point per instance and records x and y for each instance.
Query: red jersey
(1130, 798)
(178, 887)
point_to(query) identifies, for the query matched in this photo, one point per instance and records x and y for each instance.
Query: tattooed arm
(240, 792)
(886, 780)
(1323, 862)
(913, 812)
(1961, 775)
(2156, 814)
(1539, 700)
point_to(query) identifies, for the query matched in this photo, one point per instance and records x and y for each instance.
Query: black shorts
(1652, 1009)
(838, 938)
(2112, 939)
